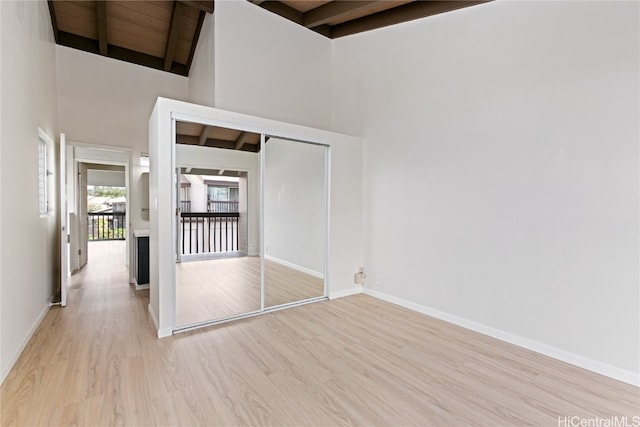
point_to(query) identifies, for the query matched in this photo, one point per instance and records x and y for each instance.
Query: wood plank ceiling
(157, 34)
(336, 19)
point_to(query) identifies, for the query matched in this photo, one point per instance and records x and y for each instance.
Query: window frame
(45, 147)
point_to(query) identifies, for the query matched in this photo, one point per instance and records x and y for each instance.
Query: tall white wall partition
(509, 134)
(344, 203)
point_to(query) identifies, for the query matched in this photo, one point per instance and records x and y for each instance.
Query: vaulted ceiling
(335, 19)
(156, 34)
(163, 34)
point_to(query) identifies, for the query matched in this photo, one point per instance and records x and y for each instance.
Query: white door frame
(87, 153)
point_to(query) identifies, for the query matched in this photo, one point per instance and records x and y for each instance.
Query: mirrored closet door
(218, 265)
(295, 221)
(251, 223)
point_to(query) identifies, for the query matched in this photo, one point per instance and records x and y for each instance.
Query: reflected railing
(222, 206)
(209, 232)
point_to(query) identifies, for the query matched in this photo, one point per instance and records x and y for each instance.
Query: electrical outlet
(359, 277)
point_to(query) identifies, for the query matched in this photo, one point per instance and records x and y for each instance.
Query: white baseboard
(592, 365)
(140, 287)
(295, 267)
(153, 316)
(345, 292)
(162, 333)
(7, 368)
(165, 332)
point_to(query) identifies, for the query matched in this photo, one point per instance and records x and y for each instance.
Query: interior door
(178, 233)
(64, 234)
(83, 217)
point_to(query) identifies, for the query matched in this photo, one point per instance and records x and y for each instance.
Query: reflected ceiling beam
(101, 12)
(405, 13)
(174, 30)
(204, 134)
(242, 138)
(203, 5)
(332, 11)
(215, 143)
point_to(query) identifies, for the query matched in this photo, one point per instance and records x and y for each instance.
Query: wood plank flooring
(351, 361)
(217, 288)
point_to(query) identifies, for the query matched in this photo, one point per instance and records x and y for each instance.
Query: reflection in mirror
(218, 265)
(295, 223)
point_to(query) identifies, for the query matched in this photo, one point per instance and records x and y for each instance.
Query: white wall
(201, 74)
(107, 103)
(295, 211)
(106, 178)
(29, 243)
(501, 169)
(270, 67)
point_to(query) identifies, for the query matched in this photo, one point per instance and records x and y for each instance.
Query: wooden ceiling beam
(101, 19)
(194, 41)
(54, 21)
(333, 10)
(324, 29)
(204, 134)
(116, 52)
(407, 12)
(174, 30)
(242, 138)
(203, 5)
(283, 10)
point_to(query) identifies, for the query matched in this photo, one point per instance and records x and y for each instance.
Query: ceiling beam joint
(334, 10)
(283, 10)
(203, 5)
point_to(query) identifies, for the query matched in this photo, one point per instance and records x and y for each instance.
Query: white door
(177, 178)
(64, 233)
(83, 217)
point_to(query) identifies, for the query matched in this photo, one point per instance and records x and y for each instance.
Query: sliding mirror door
(295, 221)
(218, 266)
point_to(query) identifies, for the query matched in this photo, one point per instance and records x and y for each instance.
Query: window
(43, 174)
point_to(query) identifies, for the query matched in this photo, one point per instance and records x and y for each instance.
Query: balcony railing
(185, 205)
(221, 207)
(106, 226)
(209, 232)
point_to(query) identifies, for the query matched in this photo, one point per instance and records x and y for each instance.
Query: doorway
(99, 211)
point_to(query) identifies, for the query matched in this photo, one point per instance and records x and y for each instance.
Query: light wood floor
(351, 361)
(213, 289)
